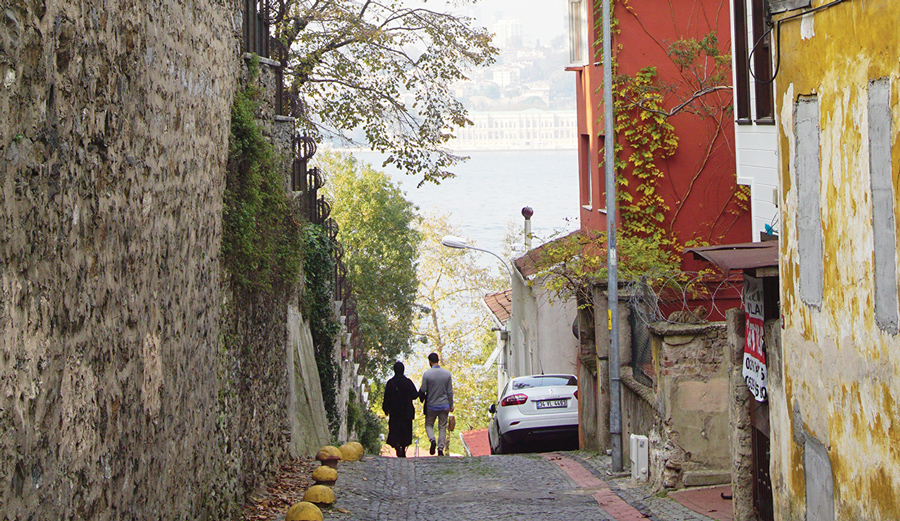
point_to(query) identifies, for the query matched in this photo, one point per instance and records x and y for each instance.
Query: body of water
(492, 187)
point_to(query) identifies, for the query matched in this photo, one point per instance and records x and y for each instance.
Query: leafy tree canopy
(383, 67)
(377, 230)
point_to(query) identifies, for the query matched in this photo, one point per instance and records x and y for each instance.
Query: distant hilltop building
(531, 129)
(509, 33)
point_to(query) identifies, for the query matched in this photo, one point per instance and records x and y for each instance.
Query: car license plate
(550, 404)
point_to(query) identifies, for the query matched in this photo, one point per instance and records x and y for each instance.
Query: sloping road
(522, 487)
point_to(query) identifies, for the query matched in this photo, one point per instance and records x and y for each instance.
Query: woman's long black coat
(399, 393)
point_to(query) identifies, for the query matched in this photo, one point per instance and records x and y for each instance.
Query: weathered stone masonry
(113, 142)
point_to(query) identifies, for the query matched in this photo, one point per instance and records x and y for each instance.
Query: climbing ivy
(261, 246)
(264, 244)
(367, 426)
(647, 240)
(642, 119)
(317, 307)
(652, 139)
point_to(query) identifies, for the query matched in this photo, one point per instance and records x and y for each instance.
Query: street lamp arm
(452, 241)
(503, 262)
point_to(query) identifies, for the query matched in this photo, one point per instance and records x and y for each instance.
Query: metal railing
(305, 183)
(256, 27)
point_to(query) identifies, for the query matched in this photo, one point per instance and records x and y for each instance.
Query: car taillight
(516, 399)
(576, 394)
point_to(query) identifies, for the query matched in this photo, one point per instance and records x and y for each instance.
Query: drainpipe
(615, 409)
(527, 212)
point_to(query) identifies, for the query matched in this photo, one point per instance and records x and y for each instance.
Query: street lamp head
(452, 241)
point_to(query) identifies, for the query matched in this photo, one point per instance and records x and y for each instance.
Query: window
(578, 33)
(883, 225)
(584, 170)
(762, 63)
(530, 382)
(744, 42)
(741, 71)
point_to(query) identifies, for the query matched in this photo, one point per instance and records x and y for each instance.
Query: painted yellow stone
(319, 495)
(325, 474)
(329, 455)
(349, 452)
(304, 511)
(359, 448)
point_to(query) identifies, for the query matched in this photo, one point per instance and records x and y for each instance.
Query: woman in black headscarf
(399, 394)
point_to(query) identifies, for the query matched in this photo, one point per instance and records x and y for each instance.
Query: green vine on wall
(261, 245)
(318, 299)
(652, 138)
(367, 426)
(647, 239)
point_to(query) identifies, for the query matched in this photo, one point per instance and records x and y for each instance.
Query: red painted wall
(700, 177)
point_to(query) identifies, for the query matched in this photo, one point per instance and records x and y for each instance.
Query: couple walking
(400, 393)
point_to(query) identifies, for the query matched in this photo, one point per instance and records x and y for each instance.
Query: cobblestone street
(553, 486)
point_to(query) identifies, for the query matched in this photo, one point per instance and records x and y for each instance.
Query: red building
(689, 189)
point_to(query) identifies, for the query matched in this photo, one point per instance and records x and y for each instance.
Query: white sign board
(754, 370)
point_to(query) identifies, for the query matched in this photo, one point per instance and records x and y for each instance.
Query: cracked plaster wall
(838, 389)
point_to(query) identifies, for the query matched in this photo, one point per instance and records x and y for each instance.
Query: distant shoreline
(462, 151)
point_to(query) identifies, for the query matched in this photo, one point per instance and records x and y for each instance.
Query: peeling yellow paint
(839, 368)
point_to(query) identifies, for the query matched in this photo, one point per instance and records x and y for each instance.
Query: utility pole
(615, 409)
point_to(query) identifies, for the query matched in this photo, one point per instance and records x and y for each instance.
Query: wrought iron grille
(305, 183)
(256, 27)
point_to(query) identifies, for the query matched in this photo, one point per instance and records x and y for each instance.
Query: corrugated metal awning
(743, 256)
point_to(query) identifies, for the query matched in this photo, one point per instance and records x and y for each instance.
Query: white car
(535, 409)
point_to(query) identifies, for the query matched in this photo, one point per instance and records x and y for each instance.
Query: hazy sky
(543, 19)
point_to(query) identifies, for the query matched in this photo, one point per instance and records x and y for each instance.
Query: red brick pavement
(608, 500)
(477, 442)
(707, 501)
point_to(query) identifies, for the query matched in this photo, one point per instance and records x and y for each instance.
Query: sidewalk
(476, 442)
(627, 500)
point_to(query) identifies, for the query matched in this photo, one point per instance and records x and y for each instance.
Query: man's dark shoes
(440, 452)
(433, 446)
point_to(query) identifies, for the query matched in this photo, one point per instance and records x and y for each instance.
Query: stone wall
(685, 413)
(739, 413)
(118, 398)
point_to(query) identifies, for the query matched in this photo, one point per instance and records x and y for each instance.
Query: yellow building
(835, 382)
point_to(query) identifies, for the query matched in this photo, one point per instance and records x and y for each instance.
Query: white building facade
(531, 129)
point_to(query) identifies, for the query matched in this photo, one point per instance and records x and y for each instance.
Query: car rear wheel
(503, 447)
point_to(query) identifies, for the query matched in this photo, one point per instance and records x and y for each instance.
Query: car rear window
(543, 381)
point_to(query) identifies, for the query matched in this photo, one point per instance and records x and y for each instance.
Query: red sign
(754, 370)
